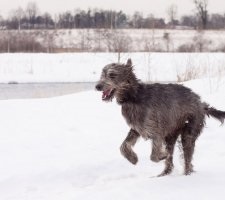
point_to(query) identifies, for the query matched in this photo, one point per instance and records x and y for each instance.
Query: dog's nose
(99, 87)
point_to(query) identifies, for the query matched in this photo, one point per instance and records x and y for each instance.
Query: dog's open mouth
(108, 94)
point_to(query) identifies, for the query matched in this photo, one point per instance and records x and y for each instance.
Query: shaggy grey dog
(160, 112)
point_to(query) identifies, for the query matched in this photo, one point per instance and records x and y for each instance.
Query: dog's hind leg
(126, 147)
(170, 141)
(188, 143)
(190, 133)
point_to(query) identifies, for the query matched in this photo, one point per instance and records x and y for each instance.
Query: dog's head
(114, 78)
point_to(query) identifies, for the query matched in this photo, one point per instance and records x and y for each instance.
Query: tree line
(31, 18)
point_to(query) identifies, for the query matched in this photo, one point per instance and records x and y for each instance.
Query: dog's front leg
(126, 149)
(157, 149)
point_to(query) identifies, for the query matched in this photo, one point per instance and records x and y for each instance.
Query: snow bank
(86, 67)
(68, 148)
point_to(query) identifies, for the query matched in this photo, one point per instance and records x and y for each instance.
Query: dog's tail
(218, 114)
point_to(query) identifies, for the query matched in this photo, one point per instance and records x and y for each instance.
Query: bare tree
(32, 11)
(49, 40)
(172, 14)
(167, 39)
(19, 14)
(99, 38)
(1, 21)
(137, 20)
(202, 12)
(85, 44)
(201, 42)
(117, 41)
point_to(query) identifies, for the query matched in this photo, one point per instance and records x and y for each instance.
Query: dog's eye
(112, 75)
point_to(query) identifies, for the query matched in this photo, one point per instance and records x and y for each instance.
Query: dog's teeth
(104, 96)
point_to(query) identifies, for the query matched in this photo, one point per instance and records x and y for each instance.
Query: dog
(160, 112)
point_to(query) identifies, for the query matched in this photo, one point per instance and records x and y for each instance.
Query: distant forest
(32, 18)
(96, 30)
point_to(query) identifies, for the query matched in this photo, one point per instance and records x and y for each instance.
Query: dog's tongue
(105, 94)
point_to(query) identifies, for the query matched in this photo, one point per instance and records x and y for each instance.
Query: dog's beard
(108, 94)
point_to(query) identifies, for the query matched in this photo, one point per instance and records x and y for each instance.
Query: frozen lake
(42, 90)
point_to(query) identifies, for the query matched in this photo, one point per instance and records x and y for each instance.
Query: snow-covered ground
(67, 148)
(86, 67)
(137, 39)
(133, 40)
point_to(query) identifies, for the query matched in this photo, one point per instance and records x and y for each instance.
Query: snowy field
(86, 67)
(67, 148)
(134, 40)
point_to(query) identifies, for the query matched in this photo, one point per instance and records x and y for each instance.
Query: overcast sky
(156, 7)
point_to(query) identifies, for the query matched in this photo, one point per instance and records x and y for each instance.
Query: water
(41, 90)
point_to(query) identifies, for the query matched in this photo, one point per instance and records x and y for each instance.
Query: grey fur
(160, 112)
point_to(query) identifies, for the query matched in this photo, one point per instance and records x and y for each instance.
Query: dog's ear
(129, 63)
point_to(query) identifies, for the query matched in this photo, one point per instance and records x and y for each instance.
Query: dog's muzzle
(107, 92)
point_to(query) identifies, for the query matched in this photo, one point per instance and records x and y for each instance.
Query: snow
(137, 40)
(86, 67)
(68, 148)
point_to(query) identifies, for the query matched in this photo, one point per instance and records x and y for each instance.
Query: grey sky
(156, 7)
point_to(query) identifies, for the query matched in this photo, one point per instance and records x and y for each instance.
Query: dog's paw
(189, 170)
(168, 169)
(162, 155)
(127, 152)
(133, 159)
(154, 158)
(157, 158)
(165, 172)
